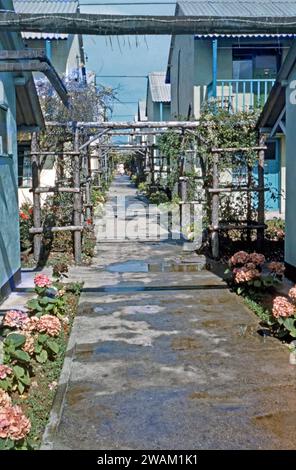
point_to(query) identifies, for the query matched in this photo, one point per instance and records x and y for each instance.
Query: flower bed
(34, 345)
(256, 280)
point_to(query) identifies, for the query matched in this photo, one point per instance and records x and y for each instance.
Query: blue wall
(9, 218)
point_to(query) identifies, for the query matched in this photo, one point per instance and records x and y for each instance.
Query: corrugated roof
(45, 7)
(237, 8)
(28, 110)
(160, 91)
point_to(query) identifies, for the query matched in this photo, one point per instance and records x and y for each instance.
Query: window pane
(242, 69)
(27, 169)
(265, 66)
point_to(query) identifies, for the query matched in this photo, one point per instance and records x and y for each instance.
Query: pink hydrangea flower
(244, 274)
(282, 307)
(276, 268)
(4, 371)
(15, 319)
(292, 294)
(5, 399)
(50, 325)
(29, 345)
(13, 423)
(250, 266)
(31, 325)
(41, 280)
(241, 257)
(257, 258)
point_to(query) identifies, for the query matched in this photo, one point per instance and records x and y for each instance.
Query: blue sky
(128, 55)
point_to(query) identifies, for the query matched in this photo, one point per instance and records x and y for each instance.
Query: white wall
(290, 240)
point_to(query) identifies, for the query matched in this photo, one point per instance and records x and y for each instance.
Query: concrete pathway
(163, 356)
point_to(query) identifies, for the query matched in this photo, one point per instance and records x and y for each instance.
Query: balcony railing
(241, 95)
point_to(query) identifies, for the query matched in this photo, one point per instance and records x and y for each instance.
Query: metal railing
(241, 94)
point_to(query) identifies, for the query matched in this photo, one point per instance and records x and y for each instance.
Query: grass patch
(261, 311)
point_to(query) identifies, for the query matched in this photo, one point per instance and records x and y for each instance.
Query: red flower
(89, 221)
(24, 216)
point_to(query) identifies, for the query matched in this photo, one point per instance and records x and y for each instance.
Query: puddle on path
(140, 266)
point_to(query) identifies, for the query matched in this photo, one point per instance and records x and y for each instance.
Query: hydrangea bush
(248, 275)
(28, 338)
(284, 314)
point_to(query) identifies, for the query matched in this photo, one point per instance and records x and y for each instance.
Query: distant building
(64, 50)
(158, 102)
(238, 71)
(141, 115)
(66, 54)
(158, 108)
(19, 110)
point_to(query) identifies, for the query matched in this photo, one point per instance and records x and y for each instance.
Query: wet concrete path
(163, 356)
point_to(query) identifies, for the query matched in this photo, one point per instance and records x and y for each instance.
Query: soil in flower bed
(37, 402)
(273, 250)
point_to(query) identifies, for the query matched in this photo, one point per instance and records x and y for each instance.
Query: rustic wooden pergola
(93, 24)
(98, 139)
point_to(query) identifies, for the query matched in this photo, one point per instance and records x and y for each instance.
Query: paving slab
(163, 356)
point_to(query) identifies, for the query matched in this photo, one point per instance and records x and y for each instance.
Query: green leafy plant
(143, 188)
(158, 197)
(45, 348)
(43, 305)
(275, 229)
(20, 361)
(74, 287)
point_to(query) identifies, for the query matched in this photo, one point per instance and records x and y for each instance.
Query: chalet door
(272, 169)
(272, 175)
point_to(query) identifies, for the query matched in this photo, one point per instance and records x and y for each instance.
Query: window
(24, 167)
(3, 131)
(242, 69)
(255, 63)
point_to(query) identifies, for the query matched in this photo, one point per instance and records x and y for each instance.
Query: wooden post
(35, 160)
(88, 211)
(249, 201)
(261, 195)
(183, 188)
(77, 199)
(152, 163)
(215, 209)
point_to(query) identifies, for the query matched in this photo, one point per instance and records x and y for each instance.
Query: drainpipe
(48, 48)
(214, 71)
(161, 111)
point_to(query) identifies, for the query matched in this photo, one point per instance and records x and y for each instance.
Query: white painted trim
(278, 123)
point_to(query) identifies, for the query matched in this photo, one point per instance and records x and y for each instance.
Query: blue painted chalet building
(237, 70)
(19, 110)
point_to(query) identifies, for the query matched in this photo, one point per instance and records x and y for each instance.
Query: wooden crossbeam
(234, 189)
(69, 228)
(96, 24)
(56, 189)
(128, 125)
(239, 149)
